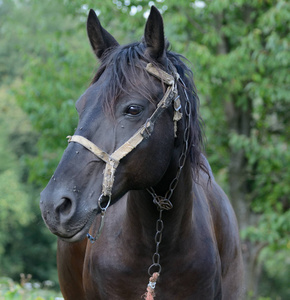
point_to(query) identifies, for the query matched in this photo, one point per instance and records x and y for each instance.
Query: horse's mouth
(81, 232)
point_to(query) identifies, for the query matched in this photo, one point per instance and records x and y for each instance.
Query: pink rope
(150, 294)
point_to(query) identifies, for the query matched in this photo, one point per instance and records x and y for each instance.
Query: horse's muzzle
(63, 216)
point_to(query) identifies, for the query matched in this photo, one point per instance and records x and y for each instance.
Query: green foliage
(267, 163)
(277, 278)
(273, 229)
(60, 73)
(15, 210)
(14, 206)
(9, 290)
(25, 244)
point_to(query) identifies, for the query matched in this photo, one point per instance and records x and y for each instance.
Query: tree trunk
(239, 120)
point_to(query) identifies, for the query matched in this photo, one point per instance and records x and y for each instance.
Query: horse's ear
(100, 38)
(154, 35)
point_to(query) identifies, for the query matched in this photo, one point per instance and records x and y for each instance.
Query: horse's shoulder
(224, 223)
(226, 233)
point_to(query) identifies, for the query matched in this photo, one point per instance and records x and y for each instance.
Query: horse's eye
(134, 110)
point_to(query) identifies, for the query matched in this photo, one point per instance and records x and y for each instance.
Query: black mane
(126, 62)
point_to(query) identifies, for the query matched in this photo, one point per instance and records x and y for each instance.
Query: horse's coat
(200, 249)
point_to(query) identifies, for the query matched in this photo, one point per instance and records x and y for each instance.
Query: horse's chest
(114, 272)
(111, 275)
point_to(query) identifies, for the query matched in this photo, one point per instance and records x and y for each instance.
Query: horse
(133, 201)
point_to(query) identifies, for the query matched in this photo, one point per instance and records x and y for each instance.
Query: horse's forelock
(124, 64)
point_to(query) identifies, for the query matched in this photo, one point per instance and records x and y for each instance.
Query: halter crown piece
(112, 160)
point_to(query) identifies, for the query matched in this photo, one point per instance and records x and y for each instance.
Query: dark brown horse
(133, 176)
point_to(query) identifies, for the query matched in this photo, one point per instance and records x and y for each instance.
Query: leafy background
(239, 51)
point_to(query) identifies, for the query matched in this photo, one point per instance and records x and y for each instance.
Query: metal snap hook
(103, 213)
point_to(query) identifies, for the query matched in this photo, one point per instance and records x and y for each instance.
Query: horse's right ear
(154, 35)
(100, 39)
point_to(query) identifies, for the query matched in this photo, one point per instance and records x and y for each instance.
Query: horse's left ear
(100, 39)
(154, 35)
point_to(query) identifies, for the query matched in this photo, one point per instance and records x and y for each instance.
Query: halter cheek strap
(112, 160)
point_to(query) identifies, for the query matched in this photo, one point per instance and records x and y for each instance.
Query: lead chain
(158, 237)
(164, 203)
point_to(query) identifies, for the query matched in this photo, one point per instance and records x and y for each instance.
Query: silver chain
(164, 203)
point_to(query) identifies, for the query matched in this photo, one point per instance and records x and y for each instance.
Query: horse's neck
(142, 214)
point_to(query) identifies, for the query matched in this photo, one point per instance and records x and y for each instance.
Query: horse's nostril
(65, 207)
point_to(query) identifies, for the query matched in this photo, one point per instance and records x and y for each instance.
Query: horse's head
(123, 141)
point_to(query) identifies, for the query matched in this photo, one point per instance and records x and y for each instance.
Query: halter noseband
(112, 160)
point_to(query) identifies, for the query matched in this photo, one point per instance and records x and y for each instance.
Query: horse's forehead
(132, 83)
(90, 94)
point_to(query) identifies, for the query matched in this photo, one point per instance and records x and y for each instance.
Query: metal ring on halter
(99, 203)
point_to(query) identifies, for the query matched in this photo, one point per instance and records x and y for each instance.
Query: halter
(112, 160)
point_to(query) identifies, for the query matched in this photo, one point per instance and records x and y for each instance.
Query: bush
(26, 290)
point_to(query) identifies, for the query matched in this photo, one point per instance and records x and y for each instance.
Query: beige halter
(112, 160)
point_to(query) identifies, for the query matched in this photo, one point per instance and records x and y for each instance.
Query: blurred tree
(9, 60)
(25, 244)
